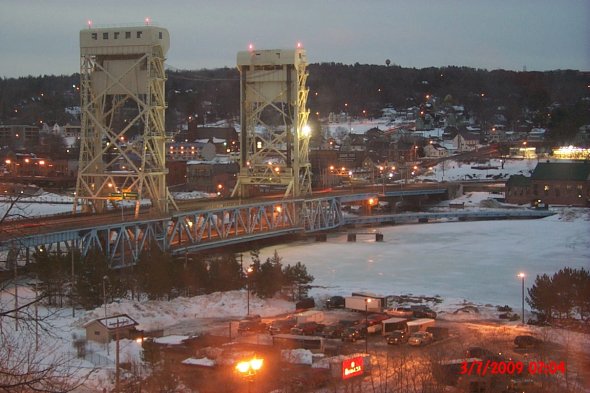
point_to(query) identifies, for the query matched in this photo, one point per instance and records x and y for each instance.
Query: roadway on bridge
(14, 229)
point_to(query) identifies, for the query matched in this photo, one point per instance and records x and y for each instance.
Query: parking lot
(400, 365)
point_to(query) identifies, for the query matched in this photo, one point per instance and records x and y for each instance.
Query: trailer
(394, 323)
(372, 329)
(310, 316)
(420, 325)
(362, 303)
(374, 297)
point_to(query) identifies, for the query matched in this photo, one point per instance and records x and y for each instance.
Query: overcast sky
(41, 37)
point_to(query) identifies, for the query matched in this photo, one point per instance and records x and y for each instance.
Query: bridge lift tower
(122, 143)
(274, 140)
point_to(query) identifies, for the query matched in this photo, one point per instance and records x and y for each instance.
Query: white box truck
(393, 323)
(420, 325)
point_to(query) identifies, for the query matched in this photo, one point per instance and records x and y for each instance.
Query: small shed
(106, 329)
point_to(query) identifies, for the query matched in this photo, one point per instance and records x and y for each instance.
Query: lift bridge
(122, 242)
(181, 232)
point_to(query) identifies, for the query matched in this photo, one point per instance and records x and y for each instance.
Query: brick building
(553, 183)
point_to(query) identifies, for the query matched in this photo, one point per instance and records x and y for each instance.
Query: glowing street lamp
(248, 272)
(249, 368)
(522, 275)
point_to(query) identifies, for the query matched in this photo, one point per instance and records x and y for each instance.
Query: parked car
(421, 311)
(398, 337)
(282, 325)
(400, 312)
(251, 327)
(333, 331)
(307, 328)
(527, 341)
(305, 303)
(335, 302)
(418, 339)
(353, 333)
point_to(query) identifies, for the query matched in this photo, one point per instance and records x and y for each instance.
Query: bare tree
(28, 363)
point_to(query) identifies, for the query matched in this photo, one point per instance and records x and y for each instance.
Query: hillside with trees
(557, 100)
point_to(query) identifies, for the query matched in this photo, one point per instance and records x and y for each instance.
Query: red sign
(352, 367)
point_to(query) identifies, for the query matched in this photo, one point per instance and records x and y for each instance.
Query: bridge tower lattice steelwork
(122, 144)
(274, 138)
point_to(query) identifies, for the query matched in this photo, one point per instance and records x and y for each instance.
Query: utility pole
(73, 282)
(104, 294)
(117, 371)
(16, 293)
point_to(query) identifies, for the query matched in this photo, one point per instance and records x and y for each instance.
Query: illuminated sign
(352, 367)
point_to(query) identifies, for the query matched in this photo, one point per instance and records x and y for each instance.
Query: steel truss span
(123, 242)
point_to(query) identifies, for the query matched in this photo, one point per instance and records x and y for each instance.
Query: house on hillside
(106, 329)
(435, 150)
(557, 183)
(465, 141)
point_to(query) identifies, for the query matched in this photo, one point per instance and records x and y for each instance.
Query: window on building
(116, 35)
(105, 36)
(139, 34)
(127, 34)
(96, 333)
(94, 36)
(160, 35)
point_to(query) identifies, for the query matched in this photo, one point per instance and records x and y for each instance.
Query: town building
(18, 136)
(213, 176)
(553, 183)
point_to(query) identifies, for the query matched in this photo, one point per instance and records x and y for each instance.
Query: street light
(249, 368)
(367, 301)
(248, 271)
(104, 294)
(522, 275)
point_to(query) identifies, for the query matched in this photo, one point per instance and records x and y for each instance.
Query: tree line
(553, 99)
(160, 275)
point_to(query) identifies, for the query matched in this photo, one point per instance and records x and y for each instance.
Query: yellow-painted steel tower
(274, 138)
(122, 146)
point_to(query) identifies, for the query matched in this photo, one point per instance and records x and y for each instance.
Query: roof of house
(114, 322)
(518, 181)
(468, 136)
(573, 171)
(227, 133)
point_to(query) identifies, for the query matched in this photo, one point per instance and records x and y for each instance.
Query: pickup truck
(251, 327)
(307, 328)
(282, 326)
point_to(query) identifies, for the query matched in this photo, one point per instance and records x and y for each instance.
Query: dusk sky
(42, 37)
